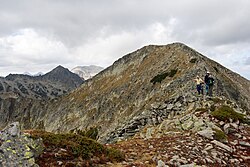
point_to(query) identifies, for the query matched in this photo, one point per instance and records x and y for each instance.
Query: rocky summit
(146, 105)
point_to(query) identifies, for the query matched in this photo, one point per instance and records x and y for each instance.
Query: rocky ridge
(192, 137)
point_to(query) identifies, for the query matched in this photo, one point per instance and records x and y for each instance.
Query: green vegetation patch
(212, 107)
(172, 72)
(193, 60)
(220, 135)
(201, 109)
(225, 113)
(79, 146)
(90, 133)
(160, 77)
(217, 100)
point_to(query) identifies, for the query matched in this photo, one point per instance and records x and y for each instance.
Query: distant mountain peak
(62, 74)
(54, 83)
(87, 72)
(59, 68)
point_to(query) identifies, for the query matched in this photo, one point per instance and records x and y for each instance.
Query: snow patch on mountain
(87, 72)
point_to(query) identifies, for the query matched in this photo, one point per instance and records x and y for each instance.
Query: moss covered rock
(224, 113)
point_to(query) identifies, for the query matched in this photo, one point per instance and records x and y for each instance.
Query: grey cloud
(75, 23)
(247, 62)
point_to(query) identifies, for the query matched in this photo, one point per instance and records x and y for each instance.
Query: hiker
(199, 84)
(206, 81)
(210, 85)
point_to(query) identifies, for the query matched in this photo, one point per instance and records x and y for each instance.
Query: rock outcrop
(17, 148)
(192, 137)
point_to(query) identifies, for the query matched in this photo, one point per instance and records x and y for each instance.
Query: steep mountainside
(23, 96)
(87, 72)
(53, 84)
(121, 99)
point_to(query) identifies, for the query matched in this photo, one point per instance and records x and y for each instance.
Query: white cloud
(108, 48)
(26, 48)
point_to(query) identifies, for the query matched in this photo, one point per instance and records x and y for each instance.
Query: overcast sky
(38, 35)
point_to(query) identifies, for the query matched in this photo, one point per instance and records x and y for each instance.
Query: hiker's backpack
(206, 80)
(210, 81)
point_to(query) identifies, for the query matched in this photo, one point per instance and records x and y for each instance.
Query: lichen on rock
(17, 148)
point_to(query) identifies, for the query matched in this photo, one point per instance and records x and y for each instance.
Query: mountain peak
(61, 74)
(59, 68)
(87, 72)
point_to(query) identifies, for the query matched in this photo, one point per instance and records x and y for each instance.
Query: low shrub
(217, 100)
(220, 135)
(212, 107)
(225, 113)
(172, 73)
(79, 146)
(160, 77)
(193, 60)
(90, 133)
(201, 109)
(115, 155)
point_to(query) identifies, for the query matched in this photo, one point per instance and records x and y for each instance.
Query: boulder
(161, 164)
(188, 125)
(229, 149)
(18, 149)
(207, 133)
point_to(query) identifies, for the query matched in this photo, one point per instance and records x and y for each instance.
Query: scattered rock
(149, 133)
(151, 146)
(222, 145)
(161, 164)
(243, 143)
(189, 165)
(207, 133)
(188, 125)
